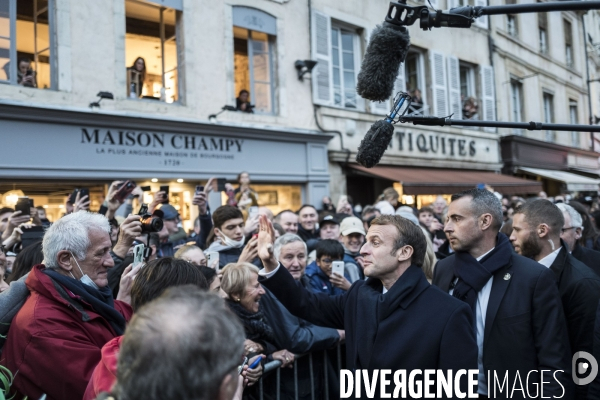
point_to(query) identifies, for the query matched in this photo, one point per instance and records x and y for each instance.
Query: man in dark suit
(395, 320)
(571, 233)
(520, 324)
(537, 226)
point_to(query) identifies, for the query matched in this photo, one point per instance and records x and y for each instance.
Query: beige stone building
(163, 125)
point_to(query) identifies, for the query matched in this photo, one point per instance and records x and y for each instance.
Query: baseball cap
(329, 219)
(169, 212)
(352, 225)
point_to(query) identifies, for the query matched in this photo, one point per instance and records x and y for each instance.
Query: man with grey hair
(571, 233)
(290, 250)
(197, 349)
(519, 322)
(70, 313)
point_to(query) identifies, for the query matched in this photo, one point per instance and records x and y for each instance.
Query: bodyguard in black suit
(520, 325)
(537, 227)
(395, 320)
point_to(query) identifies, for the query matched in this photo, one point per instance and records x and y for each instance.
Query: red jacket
(105, 373)
(54, 343)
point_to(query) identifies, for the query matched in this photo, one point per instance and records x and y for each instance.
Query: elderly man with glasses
(571, 232)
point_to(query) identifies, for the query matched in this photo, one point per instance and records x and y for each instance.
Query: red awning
(446, 181)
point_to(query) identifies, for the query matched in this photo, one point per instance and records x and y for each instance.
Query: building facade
(148, 90)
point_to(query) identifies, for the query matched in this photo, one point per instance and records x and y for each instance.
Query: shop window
(254, 34)
(543, 32)
(516, 100)
(568, 43)
(468, 93)
(27, 55)
(344, 64)
(151, 53)
(548, 102)
(573, 120)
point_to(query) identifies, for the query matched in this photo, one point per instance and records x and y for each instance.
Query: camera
(150, 223)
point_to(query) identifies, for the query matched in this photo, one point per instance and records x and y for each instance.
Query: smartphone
(73, 196)
(23, 205)
(166, 195)
(252, 212)
(212, 260)
(199, 189)
(221, 184)
(84, 192)
(145, 188)
(138, 255)
(337, 267)
(124, 190)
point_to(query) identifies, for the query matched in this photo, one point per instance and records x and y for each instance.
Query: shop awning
(574, 182)
(447, 181)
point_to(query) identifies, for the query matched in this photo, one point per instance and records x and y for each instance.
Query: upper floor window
(512, 27)
(344, 70)
(336, 48)
(568, 43)
(548, 102)
(573, 120)
(254, 34)
(415, 82)
(27, 55)
(468, 93)
(543, 32)
(151, 53)
(516, 102)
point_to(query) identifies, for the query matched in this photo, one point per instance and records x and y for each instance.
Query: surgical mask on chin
(236, 244)
(85, 279)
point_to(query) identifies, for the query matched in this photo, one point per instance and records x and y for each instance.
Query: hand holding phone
(337, 267)
(212, 260)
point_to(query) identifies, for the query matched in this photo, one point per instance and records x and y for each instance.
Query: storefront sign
(93, 149)
(434, 143)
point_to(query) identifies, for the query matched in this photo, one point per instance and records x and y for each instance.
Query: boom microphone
(386, 50)
(377, 140)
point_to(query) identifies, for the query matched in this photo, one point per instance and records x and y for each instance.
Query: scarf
(256, 325)
(473, 275)
(373, 307)
(101, 299)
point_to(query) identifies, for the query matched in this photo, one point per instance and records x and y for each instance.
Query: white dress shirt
(549, 259)
(483, 298)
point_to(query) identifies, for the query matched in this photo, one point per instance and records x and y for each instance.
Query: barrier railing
(275, 367)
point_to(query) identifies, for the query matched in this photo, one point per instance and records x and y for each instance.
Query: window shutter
(482, 21)
(434, 3)
(400, 84)
(438, 84)
(454, 102)
(487, 92)
(321, 52)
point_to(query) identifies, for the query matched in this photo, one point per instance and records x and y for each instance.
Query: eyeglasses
(563, 230)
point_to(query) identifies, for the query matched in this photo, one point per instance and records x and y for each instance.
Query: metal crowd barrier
(275, 367)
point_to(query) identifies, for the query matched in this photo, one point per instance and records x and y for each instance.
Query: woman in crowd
(590, 237)
(244, 194)
(192, 254)
(240, 283)
(137, 77)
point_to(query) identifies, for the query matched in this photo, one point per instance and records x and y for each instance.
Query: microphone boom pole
(531, 126)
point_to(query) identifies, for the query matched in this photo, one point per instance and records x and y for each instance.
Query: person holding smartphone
(25, 75)
(320, 272)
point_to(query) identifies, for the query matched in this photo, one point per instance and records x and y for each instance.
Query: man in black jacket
(395, 320)
(571, 233)
(520, 325)
(536, 233)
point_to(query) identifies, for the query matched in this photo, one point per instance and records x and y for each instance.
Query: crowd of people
(134, 308)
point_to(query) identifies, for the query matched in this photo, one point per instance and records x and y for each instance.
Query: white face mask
(85, 279)
(230, 242)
